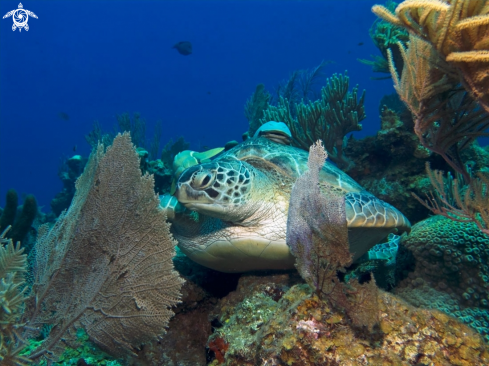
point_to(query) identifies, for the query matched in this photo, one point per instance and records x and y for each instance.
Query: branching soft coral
(13, 265)
(446, 118)
(449, 46)
(457, 29)
(337, 113)
(386, 36)
(458, 200)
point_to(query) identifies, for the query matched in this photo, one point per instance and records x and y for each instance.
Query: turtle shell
(241, 200)
(289, 161)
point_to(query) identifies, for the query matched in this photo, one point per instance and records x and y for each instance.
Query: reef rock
(276, 326)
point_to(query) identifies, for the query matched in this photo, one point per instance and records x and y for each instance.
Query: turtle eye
(203, 179)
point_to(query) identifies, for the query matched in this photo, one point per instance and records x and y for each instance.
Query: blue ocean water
(82, 61)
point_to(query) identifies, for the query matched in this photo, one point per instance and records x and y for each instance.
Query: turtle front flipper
(171, 206)
(370, 220)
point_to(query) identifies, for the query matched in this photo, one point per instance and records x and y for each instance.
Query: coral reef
(457, 30)
(448, 47)
(68, 172)
(387, 36)
(106, 274)
(161, 169)
(427, 297)
(119, 260)
(171, 150)
(23, 222)
(296, 328)
(254, 108)
(163, 175)
(13, 267)
(10, 210)
(135, 126)
(317, 235)
(184, 343)
(20, 223)
(446, 120)
(96, 136)
(329, 116)
(391, 164)
(457, 200)
(85, 354)
(448, 259)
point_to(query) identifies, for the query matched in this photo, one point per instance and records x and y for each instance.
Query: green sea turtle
(230, 214)
(185, 159)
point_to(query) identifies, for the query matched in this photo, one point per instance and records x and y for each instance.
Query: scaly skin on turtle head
(187, 158)
(228, 189)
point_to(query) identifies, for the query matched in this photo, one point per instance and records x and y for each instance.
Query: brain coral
(445, 266)
(451, 257)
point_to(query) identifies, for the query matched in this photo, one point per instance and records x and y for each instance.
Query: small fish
(63, 116)
(183, 48)
(74, 148)
(360, 43)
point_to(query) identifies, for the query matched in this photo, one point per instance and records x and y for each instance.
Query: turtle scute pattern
(289, 161)
(368, 211)
(233, 181)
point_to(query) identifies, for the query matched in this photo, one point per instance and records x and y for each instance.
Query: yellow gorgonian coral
(457, 29)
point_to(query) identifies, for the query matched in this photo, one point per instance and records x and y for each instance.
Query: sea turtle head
(220, 188)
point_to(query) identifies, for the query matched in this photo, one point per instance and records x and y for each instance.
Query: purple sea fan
(317, 234)
(317, 231)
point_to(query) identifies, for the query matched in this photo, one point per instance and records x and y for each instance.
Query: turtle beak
(188, 196)
(198, 201)
(195, 186)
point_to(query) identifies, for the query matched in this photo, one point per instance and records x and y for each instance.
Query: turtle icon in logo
(20, 17)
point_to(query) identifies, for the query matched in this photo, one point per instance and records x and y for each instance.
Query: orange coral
(219, 346)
